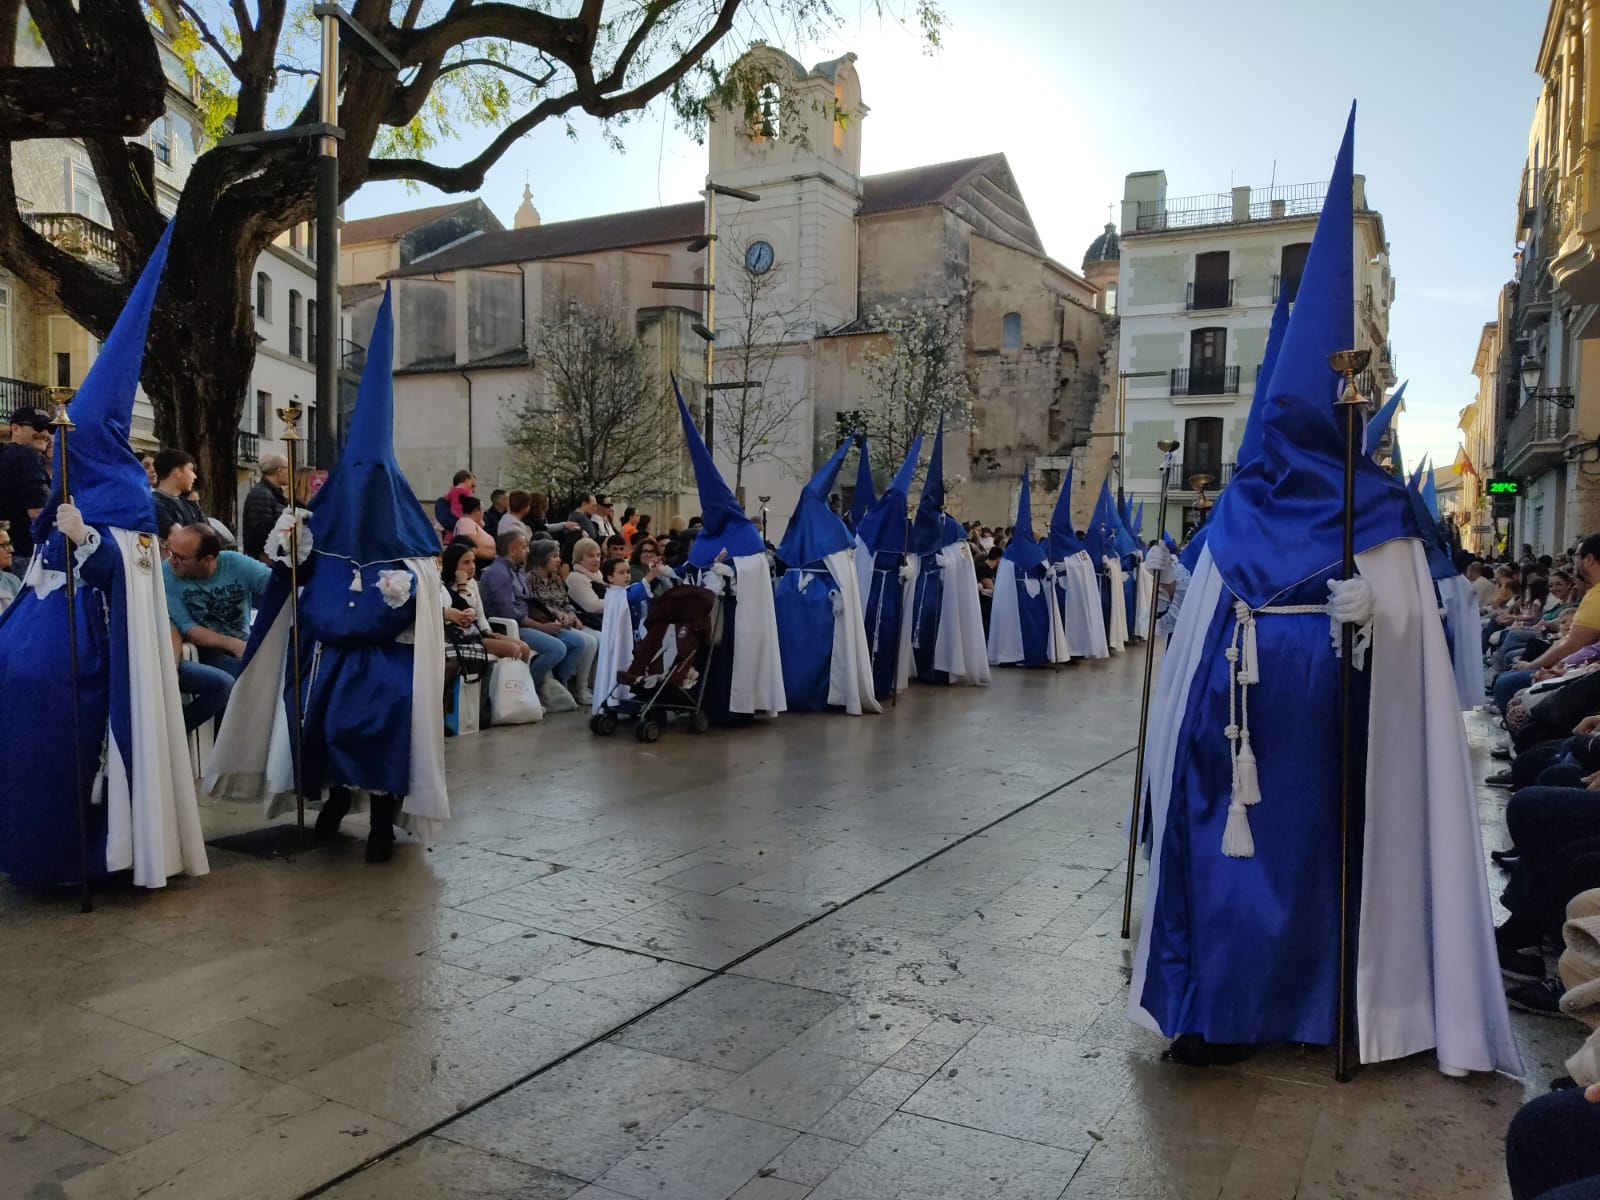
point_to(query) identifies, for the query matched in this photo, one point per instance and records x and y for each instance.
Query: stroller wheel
(699, 722)
(648, 731)
(603, 724)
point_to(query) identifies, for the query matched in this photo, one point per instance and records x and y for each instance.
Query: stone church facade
(836, 249)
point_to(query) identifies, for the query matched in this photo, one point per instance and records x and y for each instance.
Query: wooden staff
(62, 424)
(290, 416)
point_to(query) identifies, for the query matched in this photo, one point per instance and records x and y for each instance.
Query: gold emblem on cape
(146, 553)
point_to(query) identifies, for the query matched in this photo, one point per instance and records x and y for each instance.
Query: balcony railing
(76, 234)
(1537, 428)
(1266, 204)
(1214, 294)
(354, 355)
(17, 393)
(249, 446)
(1208, 381)
(1220, 473)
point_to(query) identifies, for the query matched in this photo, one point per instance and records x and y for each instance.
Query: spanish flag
(1463, 464)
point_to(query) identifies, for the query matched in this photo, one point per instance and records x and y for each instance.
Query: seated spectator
(1482, 584)
(459, 573)
(495, 513)
(1553, 1146)
(174, 481)
(262, 504)
(1531, 638)
(549, 601)
(10, 585)
(211, 593)
(470, 529)
(585, 584)
(615, 546)
(1585, 630)
(205, 689)
(505, 597)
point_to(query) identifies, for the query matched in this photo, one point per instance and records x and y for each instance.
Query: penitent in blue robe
(926, 600)
(1213, 915)
(804, 601)
(884, 602)
(39, 843)
(1033, 615)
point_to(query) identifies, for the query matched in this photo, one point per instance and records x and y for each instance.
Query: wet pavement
(835, 958)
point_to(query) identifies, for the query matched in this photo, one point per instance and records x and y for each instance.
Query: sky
(1077, 94)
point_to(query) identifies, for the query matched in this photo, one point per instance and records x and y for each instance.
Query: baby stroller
(669, 668)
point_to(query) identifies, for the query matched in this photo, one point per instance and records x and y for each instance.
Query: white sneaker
(555, 697)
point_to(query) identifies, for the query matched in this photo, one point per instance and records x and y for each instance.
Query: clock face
(758, 258)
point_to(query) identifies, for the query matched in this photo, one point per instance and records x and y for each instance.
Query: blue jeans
(581, 645)
(1508, 684)
(221, 660)
(207, 689)
(549, 652)
(1553, 1148)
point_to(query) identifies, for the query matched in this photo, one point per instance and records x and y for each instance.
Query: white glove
(277, 544)
(70, 522)
(1351, 601)
(1159, 559)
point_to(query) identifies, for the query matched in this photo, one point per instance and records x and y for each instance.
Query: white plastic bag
(513, 700)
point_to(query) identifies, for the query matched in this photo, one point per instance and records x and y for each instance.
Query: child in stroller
(668, 669)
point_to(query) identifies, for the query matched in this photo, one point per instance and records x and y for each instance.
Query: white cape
(1427, 975)
(1461, 604)
(1078, 592)
(1005, 617)
(251, 758)
(757, 665)
(1117, 608)
(850, 668)
(152, 816)
(616, 649)
(1144, 589)
(959, 650)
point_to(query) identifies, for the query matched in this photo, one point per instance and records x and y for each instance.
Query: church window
(1111, 299)
(1011, 331)
(764, 118)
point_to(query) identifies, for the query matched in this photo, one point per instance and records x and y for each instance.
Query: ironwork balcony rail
(1209, 381)
(76, 234)
(1535, 422)
(1216, 294)
(1266, 204)
(18, 393)
(249, 446)
(354, 355)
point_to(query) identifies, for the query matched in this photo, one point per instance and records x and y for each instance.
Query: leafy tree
(605, 421)
(764, 317)
(917, 378)
(487, 66)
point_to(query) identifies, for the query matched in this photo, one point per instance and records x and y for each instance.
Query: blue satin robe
(805, 635)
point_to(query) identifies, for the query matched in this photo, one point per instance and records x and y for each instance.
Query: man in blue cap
(120, 758)
(371, 671)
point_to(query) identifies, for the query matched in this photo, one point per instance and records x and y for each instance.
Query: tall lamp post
(327, 133)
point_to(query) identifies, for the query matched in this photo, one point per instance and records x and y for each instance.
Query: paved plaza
(835, 958)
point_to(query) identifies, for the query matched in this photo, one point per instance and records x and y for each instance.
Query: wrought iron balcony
(76, 234)
(17, 393)
(249, 446)
(1535, 435)
(1216, 294)
(1209, 381)
(354, 355)
(1265, 204)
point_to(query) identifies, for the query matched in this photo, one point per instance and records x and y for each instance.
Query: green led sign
(1504, 487)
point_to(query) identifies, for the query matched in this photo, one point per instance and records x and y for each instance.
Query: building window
(296, 330)
(264, 413)
(160, 137)
(5, 332)
(83, 194)
(311, 240)
(63, 368)
(263, 296)
(1011, 331)
(1212, 288)
(294, 236)
(311, 331)
(1293, 265)
(1111, 300)
(1202, 448)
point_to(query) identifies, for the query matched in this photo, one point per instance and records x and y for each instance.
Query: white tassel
(1236, 839)
(1246, 783)
(1250, 669)
(355, 580)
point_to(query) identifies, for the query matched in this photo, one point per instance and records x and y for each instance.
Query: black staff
(62, 424)
(1347, 363)
(290, 417)
(1167, 446)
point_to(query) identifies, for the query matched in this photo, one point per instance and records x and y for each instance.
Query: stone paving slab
(560, 999)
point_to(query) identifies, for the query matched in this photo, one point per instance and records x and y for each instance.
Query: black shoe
(1563, 1083)
(334, 809)
(1510, 853)
(380, 839)
(1192, 1050)
(1520, 965)
(1543, 997)
(1501, 779)
(1503, 753)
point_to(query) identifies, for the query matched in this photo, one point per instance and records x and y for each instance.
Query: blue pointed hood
(1381, 420)
(723, 524)
(1100, 539)
(366, 512)
(1167, 540)
(1283, 520)
(1064, 541)
(1397, 462)
(1023, 549)
(1430, 492)
(1250, 440)
(1440, 564)
(883, 527)
(103, 474)
(864, 496)
(815, 531)
(1138, 521)
(932, 530)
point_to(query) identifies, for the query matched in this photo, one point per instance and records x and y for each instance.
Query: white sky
(1078, 94)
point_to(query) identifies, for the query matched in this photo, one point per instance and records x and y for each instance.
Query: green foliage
(917, 379)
